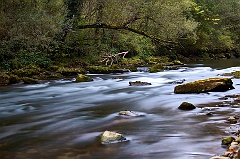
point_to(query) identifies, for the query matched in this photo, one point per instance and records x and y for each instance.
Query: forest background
(42, 33)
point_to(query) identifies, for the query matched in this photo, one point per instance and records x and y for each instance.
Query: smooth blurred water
(63, 119)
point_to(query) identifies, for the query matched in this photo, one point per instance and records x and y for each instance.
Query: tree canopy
(56, 28)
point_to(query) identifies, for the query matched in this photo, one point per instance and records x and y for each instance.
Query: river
(63, 119)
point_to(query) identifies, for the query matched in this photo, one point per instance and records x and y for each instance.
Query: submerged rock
(112, 137)
(139, 83)
(186, 106)
(177, 81)
(233, 120)
(129, 113)
(203, 86)
(83, 78)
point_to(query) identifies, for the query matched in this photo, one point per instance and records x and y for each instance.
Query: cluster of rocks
(233, 151)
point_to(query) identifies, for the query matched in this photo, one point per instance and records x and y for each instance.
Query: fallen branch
(109, 57)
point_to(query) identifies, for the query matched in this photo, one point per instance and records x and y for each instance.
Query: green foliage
(34, 32)
(23, 59)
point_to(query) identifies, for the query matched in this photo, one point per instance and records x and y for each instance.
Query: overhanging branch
(107, 26)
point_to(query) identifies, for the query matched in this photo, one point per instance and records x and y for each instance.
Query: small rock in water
(128, 113)
(139, 83)
(112, 137)
(232, 120)
(177, 81)
(186, 106)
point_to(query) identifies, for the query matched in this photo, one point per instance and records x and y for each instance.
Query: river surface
(63, 119)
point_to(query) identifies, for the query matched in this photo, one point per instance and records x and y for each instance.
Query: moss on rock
(83, 78)
(71, 71)
(156, 68)
(203, 86)
(227, 140)
(235, 74)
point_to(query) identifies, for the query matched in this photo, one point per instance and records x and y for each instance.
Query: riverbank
(71, 67)
(33, 74)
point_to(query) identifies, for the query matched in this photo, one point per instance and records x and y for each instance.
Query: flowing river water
(63, 119)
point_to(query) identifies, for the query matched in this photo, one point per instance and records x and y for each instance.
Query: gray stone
(112, 137)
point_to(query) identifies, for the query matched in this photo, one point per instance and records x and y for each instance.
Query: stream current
(63, 119)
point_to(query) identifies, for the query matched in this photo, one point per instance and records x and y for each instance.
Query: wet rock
(28, 80)
(203, 86)
(177, 81)
(139, 83)
(235, 74)
(171, 67)
(83, 78)
(232, 120)
(227, 140)
(209, 113)
(186, 106)
(234, 148)
(112, 137)
(128, 113)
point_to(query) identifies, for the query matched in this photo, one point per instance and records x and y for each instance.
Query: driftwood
(113, 57)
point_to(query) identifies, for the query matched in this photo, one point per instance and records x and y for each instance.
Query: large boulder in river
(203, 86)
(112, 137)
